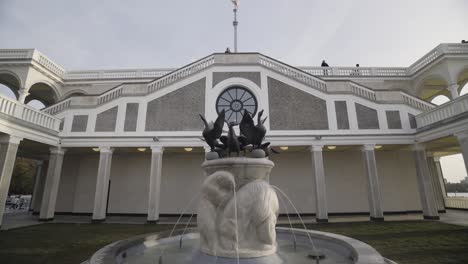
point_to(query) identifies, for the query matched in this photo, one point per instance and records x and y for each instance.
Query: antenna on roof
(235, 23)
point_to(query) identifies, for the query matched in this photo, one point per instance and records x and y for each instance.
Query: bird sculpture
(254, 134)
(231, 142)
(267, 148)
(213, 131)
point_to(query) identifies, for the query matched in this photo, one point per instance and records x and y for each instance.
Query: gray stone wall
(412, 121)
(106, 121)
(221, 76)
(80, 123)
(178, 111)
(341, 110)
(293, 109)
(393, 119)
(367, 117)
(131, 116)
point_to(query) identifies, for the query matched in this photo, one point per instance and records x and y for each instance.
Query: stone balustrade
(362, 91)
(34, 55)
(58, 107)
(6, 54)
(181, 73)
(306, 75)
(111, 95)
(13, 108)
(116, 74)
(443, 112)
(348, 72)
(456, 202)
(354, 72)
(292, 72)
(48, 64)
(253, 59)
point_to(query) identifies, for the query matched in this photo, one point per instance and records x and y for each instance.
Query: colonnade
(429, 190)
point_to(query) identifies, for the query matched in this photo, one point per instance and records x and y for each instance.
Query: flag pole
(235, 23)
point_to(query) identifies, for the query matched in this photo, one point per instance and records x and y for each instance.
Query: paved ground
(455, 217)
(16, 219)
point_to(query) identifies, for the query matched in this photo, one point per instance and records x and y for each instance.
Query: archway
(36, 104)
(464, 89)
(432, 87)
(463, 82)
(9, 85)
(43, 93)
(440, 99)
(7, 92)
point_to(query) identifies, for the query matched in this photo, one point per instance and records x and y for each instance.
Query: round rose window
(233, 101)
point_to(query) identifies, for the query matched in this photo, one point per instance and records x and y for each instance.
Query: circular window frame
(232, 101)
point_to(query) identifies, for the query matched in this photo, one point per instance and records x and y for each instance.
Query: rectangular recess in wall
(80, 123)
(393, 119)
(131, 116)
(341, 111)
(412, 121)
(367, 117)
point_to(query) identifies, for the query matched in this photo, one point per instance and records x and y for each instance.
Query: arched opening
(6, 91)
(440, 99)
(36, 104)
(433, 87)
(463, 82)
(43, 93)
(464, 89)
(9, 85)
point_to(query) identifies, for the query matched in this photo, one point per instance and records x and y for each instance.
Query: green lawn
(404, 242)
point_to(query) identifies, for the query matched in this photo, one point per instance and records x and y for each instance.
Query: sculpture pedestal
(238, 186)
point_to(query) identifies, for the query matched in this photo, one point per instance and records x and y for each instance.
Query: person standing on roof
(325, 64)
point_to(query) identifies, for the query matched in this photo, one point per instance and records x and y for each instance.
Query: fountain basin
(147, 249)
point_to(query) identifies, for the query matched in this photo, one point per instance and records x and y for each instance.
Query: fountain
(237, 213)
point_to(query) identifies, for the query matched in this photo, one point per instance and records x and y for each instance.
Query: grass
(404, 242)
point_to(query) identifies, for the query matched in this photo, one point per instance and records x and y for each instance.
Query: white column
(374, 194)
(37, 183)
(22, 94)
(439, 183)
(454, 91)
(102, 184)
(440, 176)
(426, 191)
(463, 142)
(54, 171)
(319, 181)
(8, 149)
(155, 184)
(436, 188)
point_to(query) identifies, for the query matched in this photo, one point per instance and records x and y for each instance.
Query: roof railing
(443, 112)
(13, 108)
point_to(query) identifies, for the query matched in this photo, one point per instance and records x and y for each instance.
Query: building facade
(128, 142)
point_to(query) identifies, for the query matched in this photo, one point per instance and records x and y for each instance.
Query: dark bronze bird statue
(213, 131)
(267, 148)
(254, 134)
(231, 141)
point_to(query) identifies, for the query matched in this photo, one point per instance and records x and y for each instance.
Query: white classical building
(128, 142)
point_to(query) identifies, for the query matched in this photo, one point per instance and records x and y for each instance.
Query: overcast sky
(112, 34)
(102, 34)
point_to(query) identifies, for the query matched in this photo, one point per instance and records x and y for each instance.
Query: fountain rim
(238, 161)
(364, 253)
